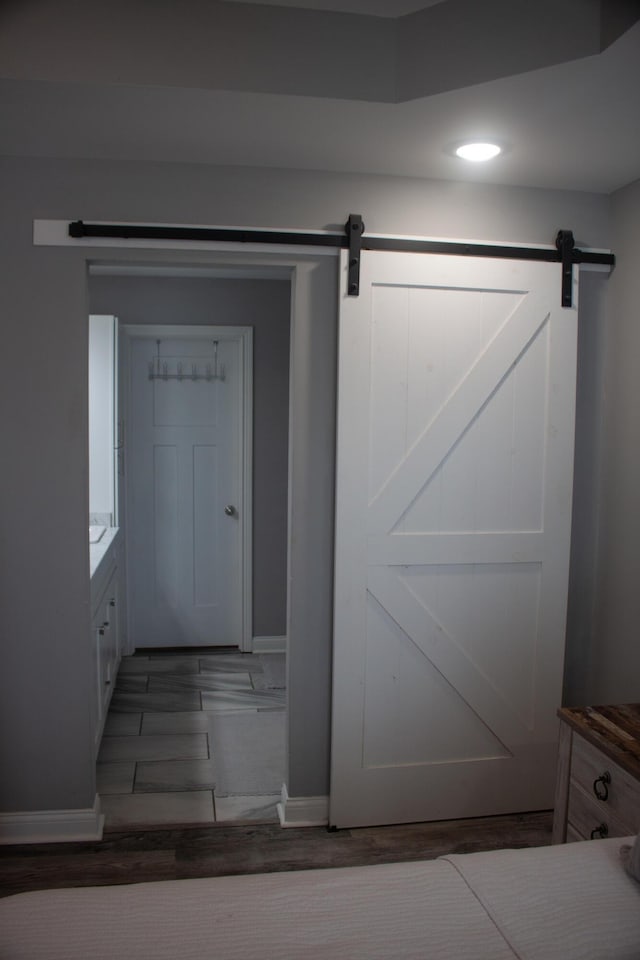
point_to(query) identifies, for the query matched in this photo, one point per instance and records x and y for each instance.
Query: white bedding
(569, 902)
(405, 911)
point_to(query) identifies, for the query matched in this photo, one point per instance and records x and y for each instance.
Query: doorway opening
(196, 727)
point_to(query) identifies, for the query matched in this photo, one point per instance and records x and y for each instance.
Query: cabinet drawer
(101, 582)
(106, 646)
(587, 815)
(622, 803)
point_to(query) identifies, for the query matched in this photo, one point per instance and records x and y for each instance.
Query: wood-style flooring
(221, 849)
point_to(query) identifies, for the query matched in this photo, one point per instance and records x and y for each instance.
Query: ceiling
(372, 8)
(566, 113)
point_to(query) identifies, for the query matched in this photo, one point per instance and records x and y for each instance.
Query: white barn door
(454, 485)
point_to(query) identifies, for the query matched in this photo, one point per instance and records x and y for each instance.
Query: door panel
(206, 532)
(185, 467)
(455, 451)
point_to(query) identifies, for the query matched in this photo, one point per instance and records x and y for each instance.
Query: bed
(566, 902)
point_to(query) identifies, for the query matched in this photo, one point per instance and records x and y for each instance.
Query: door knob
(230, 510)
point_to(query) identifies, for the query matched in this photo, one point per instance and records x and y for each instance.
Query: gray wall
(265, 306)
(616, 665)
(275, 49)
(44, 589)
(592, 330)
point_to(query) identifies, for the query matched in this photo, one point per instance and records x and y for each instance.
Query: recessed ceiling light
(477, 152)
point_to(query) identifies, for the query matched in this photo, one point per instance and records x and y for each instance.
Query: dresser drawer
(622, 792)
(598, 773)
(590, 818)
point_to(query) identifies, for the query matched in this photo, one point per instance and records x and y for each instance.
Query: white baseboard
(52, 826)
(303, 811)
(269, 644)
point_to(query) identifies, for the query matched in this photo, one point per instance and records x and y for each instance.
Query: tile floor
(157, 763)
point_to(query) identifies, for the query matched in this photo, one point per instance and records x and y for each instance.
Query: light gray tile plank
(249, 752)
(132, 683)
(190, 721)
(167, 665)
(170, 775)
(201, 681)
(275, 670)
(247, 808)
(237, 699)
(168, 700)
(149, 809)
(182, 653)
(228, 709)
(115, 778)
(122, 724)
(225, 663)
(188, 746)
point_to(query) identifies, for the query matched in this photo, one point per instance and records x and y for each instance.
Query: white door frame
(245, 508)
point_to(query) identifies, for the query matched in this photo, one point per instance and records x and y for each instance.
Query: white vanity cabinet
(105, 634)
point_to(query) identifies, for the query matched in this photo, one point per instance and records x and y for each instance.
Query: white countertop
(98, 551)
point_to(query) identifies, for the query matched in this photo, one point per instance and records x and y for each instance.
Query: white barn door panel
(454, 483)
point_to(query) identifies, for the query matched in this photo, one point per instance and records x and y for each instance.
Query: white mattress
(569, 902)
(405, 911)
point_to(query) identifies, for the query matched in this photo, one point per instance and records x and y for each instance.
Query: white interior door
(454, 485)
(185, 499)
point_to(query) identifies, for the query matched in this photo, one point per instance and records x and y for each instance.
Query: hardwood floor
(145, 855)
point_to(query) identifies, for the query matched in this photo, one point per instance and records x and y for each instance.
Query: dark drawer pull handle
(600, 832)
(601, 786)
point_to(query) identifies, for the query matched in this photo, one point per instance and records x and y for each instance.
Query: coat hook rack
(160, 370)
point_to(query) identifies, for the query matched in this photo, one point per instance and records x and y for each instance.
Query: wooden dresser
(598, 779)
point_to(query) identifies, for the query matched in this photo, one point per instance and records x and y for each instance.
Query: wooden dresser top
(615, 730)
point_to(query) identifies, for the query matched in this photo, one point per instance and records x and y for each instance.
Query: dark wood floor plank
(227, 849)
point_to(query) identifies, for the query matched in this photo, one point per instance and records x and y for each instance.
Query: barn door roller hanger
(355, 241)
(565, 253)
